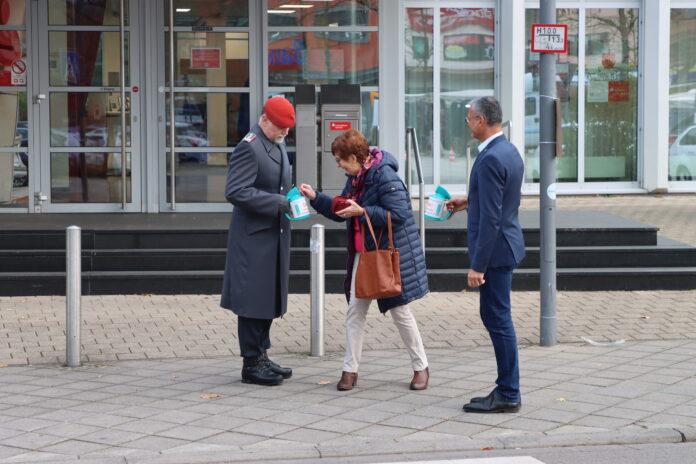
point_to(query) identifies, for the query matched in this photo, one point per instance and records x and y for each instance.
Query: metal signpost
(548, 38)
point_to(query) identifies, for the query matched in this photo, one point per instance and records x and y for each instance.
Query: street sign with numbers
(550, 38)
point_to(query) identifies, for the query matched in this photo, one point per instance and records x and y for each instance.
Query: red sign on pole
(339, 125)
(205, 58)
(549, 38)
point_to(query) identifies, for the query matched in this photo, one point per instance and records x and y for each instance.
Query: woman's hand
(308, 191)
(353, 210)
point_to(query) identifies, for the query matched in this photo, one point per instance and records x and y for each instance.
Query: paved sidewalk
(161, 379)
(122, 327)
(197, 410)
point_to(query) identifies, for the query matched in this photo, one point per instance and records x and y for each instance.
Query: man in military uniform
(255, 285)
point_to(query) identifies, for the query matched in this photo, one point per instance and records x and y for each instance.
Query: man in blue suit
(496, 245)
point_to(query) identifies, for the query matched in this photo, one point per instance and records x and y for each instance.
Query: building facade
(627, 91)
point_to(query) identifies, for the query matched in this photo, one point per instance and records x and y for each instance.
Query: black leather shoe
(479, 399)
(284, 372)
(492, 404)
(256, 371)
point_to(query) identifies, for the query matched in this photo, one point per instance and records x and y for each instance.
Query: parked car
(531, 120)
(682, 156)
(21, 177)
(22, 134)
(193, 139)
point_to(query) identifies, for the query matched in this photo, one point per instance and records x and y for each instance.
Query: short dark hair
(351, 142)
(489, 108)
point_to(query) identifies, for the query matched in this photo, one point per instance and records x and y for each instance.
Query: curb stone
(394, 447)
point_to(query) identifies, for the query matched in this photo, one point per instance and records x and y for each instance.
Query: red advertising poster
(339, 125)
(205, 58)
(618, 91)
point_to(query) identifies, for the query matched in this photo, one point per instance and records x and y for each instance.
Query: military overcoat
(258, 245)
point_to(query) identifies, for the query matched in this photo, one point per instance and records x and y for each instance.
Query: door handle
(39, 97)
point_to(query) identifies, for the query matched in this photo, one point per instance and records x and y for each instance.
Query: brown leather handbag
(378, 274)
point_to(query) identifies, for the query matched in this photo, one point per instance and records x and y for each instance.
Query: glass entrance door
(213, 80)
(80, 106)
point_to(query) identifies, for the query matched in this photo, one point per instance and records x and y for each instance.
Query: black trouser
(254, 336)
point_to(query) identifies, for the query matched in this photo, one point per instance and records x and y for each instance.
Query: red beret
(280, 112)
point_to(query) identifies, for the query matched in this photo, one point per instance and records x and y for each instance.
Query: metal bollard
(316, 248)
(73, 295)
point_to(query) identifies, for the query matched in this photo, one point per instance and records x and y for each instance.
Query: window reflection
(335, 14)
(200, 177)
(682, 95)
(210, 119)
(229, 13)
(86, 58)
(86, 13)
(466, 72)
(87, 119)
(210, 59)
(323, 58)
(14, 180)
(419, 83)
(88, 177)
(14, 131)
(611, 104)
(13, 13)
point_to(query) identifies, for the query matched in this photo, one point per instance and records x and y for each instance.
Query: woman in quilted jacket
(374, 187)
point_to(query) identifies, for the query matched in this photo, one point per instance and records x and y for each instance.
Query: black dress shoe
(284, 372)
(256, 371)
(480, 399)
(492, 404)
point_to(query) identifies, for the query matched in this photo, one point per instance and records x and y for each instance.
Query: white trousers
(355, 327)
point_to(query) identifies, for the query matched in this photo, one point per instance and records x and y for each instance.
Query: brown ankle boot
(348, 381)
(420, 379)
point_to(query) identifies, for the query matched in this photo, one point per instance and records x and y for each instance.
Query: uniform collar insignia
(249, 137)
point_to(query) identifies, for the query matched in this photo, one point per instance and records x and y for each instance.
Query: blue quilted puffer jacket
(384, 191)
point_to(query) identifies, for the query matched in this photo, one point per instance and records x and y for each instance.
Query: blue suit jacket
(494, 232)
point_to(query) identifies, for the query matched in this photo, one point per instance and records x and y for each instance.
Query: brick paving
(121, 327)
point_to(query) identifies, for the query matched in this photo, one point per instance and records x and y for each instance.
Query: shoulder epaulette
(249, 137)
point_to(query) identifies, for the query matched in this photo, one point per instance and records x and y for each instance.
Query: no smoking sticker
(19, 72)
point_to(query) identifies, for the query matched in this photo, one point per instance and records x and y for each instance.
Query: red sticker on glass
(135, 89)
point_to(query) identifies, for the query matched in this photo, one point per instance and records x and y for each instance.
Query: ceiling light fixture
(296, 6)
(183, 10)
(281, 11)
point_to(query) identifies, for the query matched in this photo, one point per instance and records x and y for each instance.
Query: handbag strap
(372, 232)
